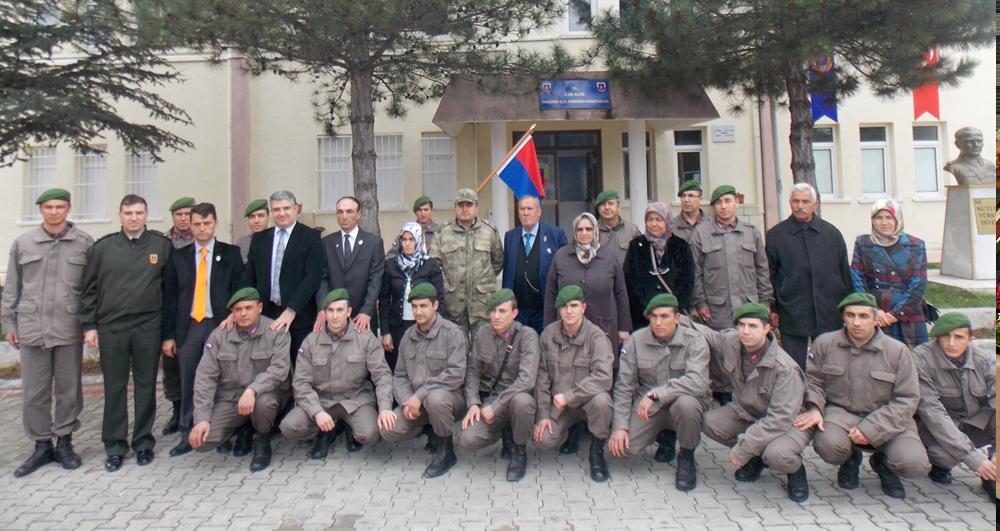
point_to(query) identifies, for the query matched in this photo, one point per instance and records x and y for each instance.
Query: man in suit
(354, 261)
(196, 288)
(285, 264)
(528, 252)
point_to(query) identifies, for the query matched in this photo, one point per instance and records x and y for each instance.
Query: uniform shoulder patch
(106, 236)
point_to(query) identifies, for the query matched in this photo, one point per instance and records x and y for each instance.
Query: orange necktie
(200, 288)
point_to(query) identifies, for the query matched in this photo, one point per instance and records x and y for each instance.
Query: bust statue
(969, 167)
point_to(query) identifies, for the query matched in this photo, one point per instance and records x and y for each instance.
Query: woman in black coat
(411, 266)
(655, 258)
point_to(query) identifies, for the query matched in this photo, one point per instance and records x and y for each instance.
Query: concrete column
(239, 144)
(500, 208)
(638, 192)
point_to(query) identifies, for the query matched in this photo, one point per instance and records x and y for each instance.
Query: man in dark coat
(810, 274)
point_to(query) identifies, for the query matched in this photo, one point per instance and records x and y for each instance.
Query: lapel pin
(218, 258)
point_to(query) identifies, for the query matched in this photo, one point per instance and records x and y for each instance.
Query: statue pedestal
(969, 224)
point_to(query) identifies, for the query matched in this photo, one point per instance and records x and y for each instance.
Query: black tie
(347, 246)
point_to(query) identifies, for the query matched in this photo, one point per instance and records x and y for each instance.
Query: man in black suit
(197, 285)
(354, 260)
(285, 264)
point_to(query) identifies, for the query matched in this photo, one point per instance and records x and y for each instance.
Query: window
(578, 13)
(438, 171)
(336, 174)
(825, 156)
(389, 170)
(689, 150)
(90, 195)
(625, 168)
(874, 160)
(926, 159)
(142, 176)
(41, 176)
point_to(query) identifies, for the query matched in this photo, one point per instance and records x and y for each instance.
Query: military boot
(891, 484)
(350, 442)
(175, 419)
(750, 471)
(322, 446)
(665, 452)
(506, 443)
(847, 475)
(572, 443)
(940, 475)
(798, 485)
(432, 443)
(261, 452)
(244, 441)
(598, 466)
(42, 456)
(687, 470)
(65, 454)
(443, 459)
(518, 462)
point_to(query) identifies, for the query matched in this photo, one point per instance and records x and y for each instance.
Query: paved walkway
(382, 488)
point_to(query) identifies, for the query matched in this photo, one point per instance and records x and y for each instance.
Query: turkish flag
(925, 97)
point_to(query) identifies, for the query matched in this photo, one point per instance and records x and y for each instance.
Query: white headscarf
(585, 253)
(408, 264)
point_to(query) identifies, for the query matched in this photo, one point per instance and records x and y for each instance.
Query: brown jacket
(334, 371)
(41, 298)
(951, 396)
(682, 229)
(679, 368)
(578, 367)
(877, 382)
(230, 365)
(617, 238)
(484, 367)
(430, 360)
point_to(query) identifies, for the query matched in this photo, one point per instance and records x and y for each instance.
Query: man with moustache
(423, 212)
(181, 236)
(691, 215)
(614, 233)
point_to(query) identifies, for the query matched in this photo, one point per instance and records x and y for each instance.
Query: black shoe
(173, 424)
(572, 443)
(351, 443)
(43, 455)
(113, 463)
(321, 448)
(892, 486)
(244, 441)
(598, 466)
(798, 485)
(182, 447)
(665, 452)
(847, 475)
(65, 454)
(722, 398)
(432, 441)
(940, 475)
(225, 447)
(261, 452)
(991, 489)
(518, 462)
(506, 443)
(687, 470)
(443, 459)
(750, 471)
(144, 457)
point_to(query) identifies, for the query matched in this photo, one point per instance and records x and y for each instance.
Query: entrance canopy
(513, 99)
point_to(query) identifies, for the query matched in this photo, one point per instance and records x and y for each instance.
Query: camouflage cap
(466, 195)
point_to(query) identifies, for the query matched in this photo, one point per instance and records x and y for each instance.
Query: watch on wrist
(652, 396)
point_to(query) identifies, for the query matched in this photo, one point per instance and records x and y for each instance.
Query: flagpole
(524, 138)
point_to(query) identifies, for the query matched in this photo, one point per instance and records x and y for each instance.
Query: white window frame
(39, 175)
(938, 177)
(691, 148)
(439, 184)
(337, 182)
(883, 146)
(390, 173)
(90, 188)
(570, 11)
(832, 148)
(143, 180)
(650, 178)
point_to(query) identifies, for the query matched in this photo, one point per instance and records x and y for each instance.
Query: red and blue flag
(520, 171)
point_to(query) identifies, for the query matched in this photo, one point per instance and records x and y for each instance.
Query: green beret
(499, 297)
(466, 195)
(571, 292)
(688, 186)
(858, 298)
(339, 294)
(184, 202)
(660, 301)
(421, 201)
(424, 290)
(948, 322)
(605, 196)
(53, 193)
(255, 205)
(721, 191)
(751, 309)
(243, 294)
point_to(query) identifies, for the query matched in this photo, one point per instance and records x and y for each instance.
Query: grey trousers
(683, 415)
(942, 457)
(905, 454)
(783, 454)
(519, 415)
(188, 357)
(597, 412)
(226, 419)
(46, 372)
(298, 426)
(439, 410)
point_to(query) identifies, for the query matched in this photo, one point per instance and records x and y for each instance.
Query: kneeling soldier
(331, 382)
(500, 383)
(957, 412)
(428, 381)
(768, 386)
(662, 385)
(862, 392)
(242, 382)
(574, 380)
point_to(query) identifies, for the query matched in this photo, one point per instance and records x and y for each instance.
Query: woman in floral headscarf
(892, 265)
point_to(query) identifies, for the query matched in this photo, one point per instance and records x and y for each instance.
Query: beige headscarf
(585, 253)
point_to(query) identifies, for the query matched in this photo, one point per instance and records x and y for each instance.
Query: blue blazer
(550, 237)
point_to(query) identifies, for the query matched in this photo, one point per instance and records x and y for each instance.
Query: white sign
(723, 133)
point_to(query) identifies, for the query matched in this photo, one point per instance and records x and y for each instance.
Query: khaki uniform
(335, 374)
(431, 366)
(508, 388)
(682, 229)
(677, 371)
(580, 369)
(470, 260)
(873, 388)
(617, 238)
(41, 303)
(232, 363)
(758, 422)
(957, 411)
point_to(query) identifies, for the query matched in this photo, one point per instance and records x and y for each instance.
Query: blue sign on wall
(574, 94)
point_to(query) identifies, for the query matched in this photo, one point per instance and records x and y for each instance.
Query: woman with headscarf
(409, 267)
(657, 262)
(892, 265)
(600, 276)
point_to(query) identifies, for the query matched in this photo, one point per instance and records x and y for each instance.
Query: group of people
(691, 326)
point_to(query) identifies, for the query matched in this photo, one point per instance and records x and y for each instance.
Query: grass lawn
(948, 297)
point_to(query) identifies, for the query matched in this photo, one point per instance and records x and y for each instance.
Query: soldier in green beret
(39, 313)
(257, 220)
(181, 236)
(615, 233)
(423, 211)
(957, 411)
(500, 384)
(180, 214)
(691, 215)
